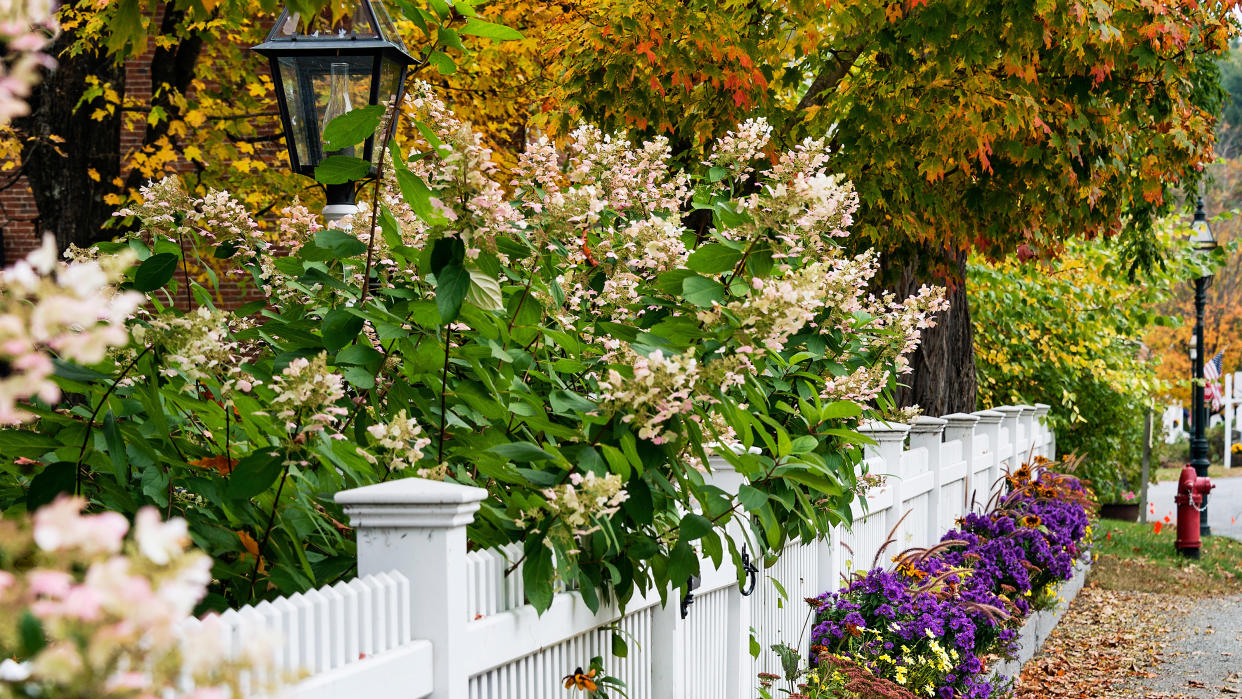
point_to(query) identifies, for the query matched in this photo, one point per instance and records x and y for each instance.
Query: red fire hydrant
(1191, 489)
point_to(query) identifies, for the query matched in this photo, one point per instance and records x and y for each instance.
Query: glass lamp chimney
(338, 101)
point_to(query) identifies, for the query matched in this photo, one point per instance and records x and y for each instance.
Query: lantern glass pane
(358, 22)
(390, 84)
(1201, 235)
(318, 89)
(385, 23)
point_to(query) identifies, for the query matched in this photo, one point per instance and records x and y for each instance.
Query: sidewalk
(1202, 655)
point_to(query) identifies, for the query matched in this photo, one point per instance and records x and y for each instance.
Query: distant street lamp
(324, 66)
(1204, 242)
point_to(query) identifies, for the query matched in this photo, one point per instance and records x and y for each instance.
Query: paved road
(1224, 506)
(1203, 653)
(1202, 657)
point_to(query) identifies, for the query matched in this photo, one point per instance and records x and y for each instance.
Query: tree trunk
(172, 69)
(63, 144)
(943, 380)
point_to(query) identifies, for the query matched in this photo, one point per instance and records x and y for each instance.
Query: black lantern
(1200, 232)
(324, 66)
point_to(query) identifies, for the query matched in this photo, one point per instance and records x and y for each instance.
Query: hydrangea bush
(87, 611)
(929, 623)
(574, 342)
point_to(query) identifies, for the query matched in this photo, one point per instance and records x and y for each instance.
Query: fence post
(1027, 420)
(1011, 423)
(890, 439)
(989, 425)
(961, 427)
(418, 527)
(926, 433)
(737, 661)
(1045, 432)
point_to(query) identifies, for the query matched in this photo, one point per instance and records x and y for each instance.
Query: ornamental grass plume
(859, 682)
(87, 611)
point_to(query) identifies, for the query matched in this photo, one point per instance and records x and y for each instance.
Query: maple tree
(1000, 127)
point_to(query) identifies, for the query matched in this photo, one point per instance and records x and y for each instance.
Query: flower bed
(928, 627)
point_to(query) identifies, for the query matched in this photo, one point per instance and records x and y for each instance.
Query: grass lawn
(1137, 557)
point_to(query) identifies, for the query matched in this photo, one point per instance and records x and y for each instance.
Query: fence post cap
(883, 431)
(1027, 410)
(926, 424)
(411, 502)
(1042, 409)
(990, 417)
(961, 419)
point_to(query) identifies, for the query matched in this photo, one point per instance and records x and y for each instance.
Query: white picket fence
(427, 618)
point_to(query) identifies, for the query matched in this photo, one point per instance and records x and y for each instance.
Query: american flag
(1211, 380)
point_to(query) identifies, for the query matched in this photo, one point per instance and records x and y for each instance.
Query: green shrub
(570, 346)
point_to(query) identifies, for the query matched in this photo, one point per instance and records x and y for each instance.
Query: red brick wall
(18, 219)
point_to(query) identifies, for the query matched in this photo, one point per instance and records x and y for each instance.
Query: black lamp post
(1204, 242)
(324, 66)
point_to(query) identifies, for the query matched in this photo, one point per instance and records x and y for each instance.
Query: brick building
(20, 229)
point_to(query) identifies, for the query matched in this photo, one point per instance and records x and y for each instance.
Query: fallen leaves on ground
(1106, 638)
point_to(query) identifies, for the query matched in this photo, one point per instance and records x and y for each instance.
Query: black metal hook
(751, 571)
(688, 599)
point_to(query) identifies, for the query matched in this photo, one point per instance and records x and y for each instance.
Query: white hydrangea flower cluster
(400, 440)
(217, 218)
(113, 609)
(776, 308)
(50, 308)
(295, 226)
(737, 151)
(805, 207)
(663, 387)
(632, 181)
(199, 347)
(25, 31)
(904, 320)
(307, 393)
(461, 168)
(585, 500)
(652, 245)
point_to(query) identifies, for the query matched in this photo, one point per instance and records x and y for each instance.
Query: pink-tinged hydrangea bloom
(50, 308)
(307, 393)
(114, 612)
(25, 32)
(61, 526)
(158, 540)
(737, 151)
